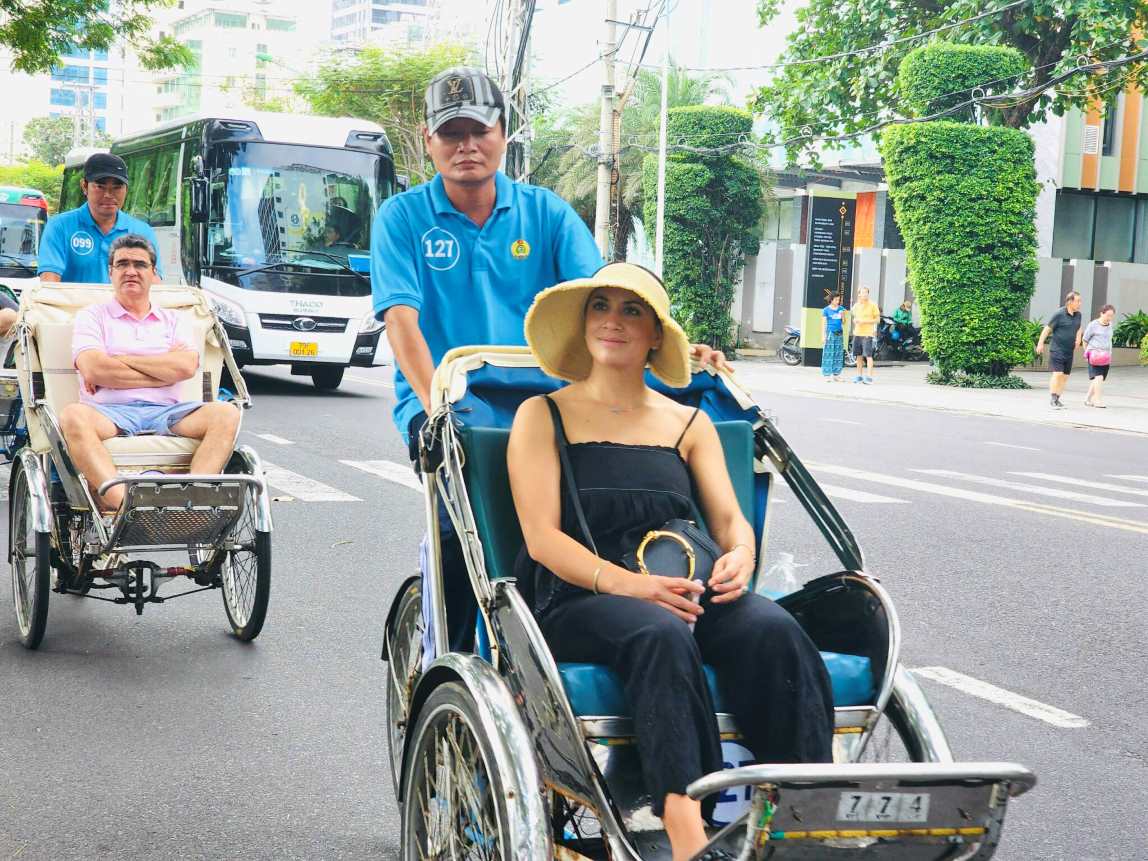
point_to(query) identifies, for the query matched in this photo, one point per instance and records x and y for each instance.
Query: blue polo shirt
(74, 248)
(471, 285)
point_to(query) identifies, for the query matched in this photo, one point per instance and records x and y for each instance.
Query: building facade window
(230, 20)
(284, 25)
(1108, 133)
(73, 74)
(1103, 227)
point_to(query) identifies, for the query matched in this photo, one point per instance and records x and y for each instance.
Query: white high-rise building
(243, 49)
(401, 22)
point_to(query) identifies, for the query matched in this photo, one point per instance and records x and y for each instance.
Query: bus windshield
(20, 229)
(302, 206)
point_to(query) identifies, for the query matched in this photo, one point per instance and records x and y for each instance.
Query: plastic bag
(781, 577)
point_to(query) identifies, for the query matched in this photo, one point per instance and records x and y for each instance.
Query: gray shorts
(863, 346)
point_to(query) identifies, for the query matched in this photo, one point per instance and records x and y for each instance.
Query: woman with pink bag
(1097, 342)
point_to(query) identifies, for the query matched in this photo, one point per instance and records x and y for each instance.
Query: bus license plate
(304, 348)
(883, 807)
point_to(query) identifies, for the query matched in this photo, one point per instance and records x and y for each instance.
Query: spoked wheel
(791, 356)
(453, 805)
(892, 739)
(404, 664)
(245, 574)
(850, 356)
(31, 563)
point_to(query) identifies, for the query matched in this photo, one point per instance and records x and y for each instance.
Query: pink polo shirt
(108, 327)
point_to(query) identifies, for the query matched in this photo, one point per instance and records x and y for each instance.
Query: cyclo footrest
(173, 512)
(891, 810)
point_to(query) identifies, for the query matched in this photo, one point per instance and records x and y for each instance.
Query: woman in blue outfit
(833, 353)
(639, 459)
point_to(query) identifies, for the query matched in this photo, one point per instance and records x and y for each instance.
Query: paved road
(162, 737)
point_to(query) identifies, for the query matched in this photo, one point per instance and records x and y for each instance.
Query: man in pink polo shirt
(132, 357)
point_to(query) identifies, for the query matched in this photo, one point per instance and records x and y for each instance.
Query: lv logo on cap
(457, 90)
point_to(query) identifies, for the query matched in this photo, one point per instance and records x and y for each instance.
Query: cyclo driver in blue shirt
(76, 244)
(458, 261)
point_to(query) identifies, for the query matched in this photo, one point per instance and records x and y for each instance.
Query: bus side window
(162, 209)
(140, 171)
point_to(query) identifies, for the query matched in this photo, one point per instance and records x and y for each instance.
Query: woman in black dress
(640, 459)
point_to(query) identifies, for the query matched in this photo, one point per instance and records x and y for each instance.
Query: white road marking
(391, 471)
(367, 381)
(1031, 488)
(842, 421)
(984, 498)
(1010, 445)
(301, 487)
(270, 437)
(5, 475)
(1127, 477)
(1079, 482)
(985, 691)
(836, 492)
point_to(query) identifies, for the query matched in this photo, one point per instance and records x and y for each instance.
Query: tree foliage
(965, 199)
(386, 86)
(35, 174)
(940, 76)
(713, 203)
(50, 138)
(573, 175)
(38, 33)
(849, 93)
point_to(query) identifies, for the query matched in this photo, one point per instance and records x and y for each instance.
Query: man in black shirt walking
(1064, 329)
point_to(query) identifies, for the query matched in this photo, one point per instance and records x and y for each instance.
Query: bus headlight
(228, 312)
(369, 325)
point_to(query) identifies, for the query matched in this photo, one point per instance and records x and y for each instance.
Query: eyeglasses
(138, 265)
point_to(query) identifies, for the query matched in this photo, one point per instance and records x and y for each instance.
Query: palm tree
(561, 144)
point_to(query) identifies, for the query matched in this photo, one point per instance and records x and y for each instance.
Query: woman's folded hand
(676, 594)
(730, 577)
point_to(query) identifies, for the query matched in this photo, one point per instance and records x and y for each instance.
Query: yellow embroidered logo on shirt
(520, 249)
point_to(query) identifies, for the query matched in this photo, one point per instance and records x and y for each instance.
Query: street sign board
(828, 266)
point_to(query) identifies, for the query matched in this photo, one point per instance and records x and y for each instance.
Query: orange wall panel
(1130, 139)
(866, 219)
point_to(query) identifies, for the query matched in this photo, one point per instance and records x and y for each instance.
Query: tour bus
(23, 213)
(270, 214)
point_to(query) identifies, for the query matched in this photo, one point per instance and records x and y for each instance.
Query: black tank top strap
(556, 416)
(686, 429)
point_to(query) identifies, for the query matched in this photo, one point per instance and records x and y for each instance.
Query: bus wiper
(334, 258)
(245, 272)
(18, 262)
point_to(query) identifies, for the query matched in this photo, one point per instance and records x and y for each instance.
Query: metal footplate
(913, 811)
(176, 511)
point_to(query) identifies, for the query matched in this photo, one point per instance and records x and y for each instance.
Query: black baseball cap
(104, 165)
(463, 91)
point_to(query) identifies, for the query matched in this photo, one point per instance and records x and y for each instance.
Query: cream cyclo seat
(49, 311)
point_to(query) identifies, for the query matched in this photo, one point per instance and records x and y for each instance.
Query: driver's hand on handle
(704, 354)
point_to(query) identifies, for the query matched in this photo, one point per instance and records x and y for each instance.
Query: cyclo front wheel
(245, 574)
(404, 664)
(30, 553)
(453, 803)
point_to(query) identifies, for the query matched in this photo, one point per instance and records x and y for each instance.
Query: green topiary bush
(1144, 351)
(965, 198)
(1130, 331)
(963, 380)
(712, 205)
(941, 75)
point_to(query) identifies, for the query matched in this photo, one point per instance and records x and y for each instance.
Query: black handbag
(678, 548)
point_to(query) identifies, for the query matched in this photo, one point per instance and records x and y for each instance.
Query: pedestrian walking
(832, 335)
(866, 315)
(1064, 330)
(1097, 340)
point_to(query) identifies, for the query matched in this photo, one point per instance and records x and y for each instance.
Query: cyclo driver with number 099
(639, 461)
(458, 260)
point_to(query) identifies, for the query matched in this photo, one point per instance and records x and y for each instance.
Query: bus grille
(285, 323)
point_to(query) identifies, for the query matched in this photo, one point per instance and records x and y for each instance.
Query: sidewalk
(1126, 394)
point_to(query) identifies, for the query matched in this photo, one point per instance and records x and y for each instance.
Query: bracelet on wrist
(597, 574)
(752, 555)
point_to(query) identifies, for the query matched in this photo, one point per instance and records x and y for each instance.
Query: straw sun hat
(555, 325)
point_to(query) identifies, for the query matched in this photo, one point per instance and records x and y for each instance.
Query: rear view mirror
(198, 200)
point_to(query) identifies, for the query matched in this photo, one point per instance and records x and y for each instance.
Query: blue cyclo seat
(594, 689)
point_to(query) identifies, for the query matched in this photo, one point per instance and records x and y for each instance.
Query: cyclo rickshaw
(204, 531)
(506, 754)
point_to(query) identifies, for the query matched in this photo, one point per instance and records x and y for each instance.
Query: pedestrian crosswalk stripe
(1010, 445)
(1031, 488)
(836, 492)
(301, 487)
(391, 471)
(1079, 482)
(1018, 703)
(977, 496)
(270, 437)
(367, 381)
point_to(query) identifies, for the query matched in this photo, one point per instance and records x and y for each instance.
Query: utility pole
(606, 134)
(660, 222)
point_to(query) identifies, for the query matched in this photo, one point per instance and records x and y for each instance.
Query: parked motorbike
(790, 349)
(897, 342)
